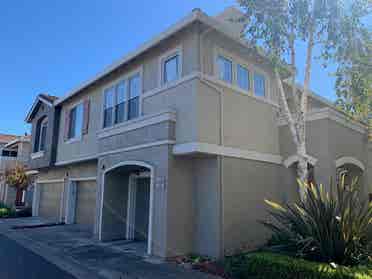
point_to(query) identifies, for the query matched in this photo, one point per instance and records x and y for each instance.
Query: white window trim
(252, 69)
(69, 108)
(164, 57)
(45, 120)
(114, 83)
(36, 155)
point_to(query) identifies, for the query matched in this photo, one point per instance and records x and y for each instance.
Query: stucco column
(36, 200)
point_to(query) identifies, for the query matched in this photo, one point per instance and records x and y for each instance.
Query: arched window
(40, 136)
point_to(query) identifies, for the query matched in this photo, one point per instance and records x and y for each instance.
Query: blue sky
(53, 46)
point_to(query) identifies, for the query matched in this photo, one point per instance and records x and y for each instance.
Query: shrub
(327, 226)
(268, 265)
(6, 212)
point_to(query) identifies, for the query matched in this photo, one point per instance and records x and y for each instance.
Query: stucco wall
(327, 141)
(207, 187)
(245, 185)
(181, 99)
(186, 39)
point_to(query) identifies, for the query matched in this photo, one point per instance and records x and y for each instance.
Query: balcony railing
(11, 162)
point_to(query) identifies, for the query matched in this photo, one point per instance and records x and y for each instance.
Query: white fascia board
(38, 99)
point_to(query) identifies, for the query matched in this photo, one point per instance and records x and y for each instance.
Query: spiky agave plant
(327, 225)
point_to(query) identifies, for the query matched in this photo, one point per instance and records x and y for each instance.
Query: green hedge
(275, 266)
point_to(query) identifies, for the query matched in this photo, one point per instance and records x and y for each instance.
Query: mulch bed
(203, 264)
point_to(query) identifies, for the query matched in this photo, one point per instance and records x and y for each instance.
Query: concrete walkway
(72, 249)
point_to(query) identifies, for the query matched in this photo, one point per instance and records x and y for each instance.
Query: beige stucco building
(179, 143)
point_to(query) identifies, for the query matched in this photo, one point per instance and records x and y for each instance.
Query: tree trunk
(302, 153)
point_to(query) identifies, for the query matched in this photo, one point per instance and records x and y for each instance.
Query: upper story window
(133, 100)
(41, 133)
(259, 85)
(109, 107)
(121, 98)
(242, 77)
(171, 69)
(122, 101)
(170, 66)
(9, 153)
(76, 122)
(225, 71)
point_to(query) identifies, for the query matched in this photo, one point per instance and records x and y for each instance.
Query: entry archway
(127, 202)
(351, 168)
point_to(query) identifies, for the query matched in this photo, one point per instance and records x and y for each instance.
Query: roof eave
(28, 118)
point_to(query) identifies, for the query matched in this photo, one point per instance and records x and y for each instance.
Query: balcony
(141, 132)
(10, 162)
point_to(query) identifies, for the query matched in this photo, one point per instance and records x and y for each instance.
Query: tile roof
(4, 138)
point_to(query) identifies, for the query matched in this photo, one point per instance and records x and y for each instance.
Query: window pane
(119, 112)
(107, 117)
(171, 69)
(133, 108)
(71, 133)
(121, 92)
(243, 77)
(76, 121)
(43, 136)
(224, 69)
(259, 85)
(134, 86)
(79, 120)
(109, 97)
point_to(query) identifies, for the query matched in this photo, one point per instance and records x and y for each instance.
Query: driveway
(72, 248)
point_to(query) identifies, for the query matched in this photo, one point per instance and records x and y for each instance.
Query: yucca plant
(327, 225)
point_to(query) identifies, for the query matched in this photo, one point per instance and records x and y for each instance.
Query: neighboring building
(179, 143)
(14, 150)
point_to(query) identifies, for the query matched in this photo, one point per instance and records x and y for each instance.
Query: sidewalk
(71, 248)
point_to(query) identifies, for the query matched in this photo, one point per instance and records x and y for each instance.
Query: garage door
(85, 203)
(50, 200)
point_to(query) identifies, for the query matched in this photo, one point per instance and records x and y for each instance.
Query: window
(242, 77)
(9, 153)
(224, 69)
(134, 92)
(121, 97)
(40, 135)
(171, 69)
(109, 107)
(259, 85)
(43, 132)
(122, 101)
(76, 122)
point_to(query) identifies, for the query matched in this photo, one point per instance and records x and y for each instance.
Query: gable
(39, 102)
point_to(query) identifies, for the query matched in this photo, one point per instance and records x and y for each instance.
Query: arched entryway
(127, 203)
(351, 168)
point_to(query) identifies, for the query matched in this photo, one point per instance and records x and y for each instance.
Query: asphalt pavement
(17, 262)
